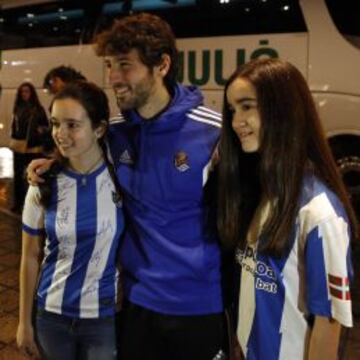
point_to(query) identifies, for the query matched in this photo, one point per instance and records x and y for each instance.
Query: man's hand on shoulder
(36, 168)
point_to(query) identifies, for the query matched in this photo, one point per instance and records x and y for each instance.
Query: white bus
(318, 36)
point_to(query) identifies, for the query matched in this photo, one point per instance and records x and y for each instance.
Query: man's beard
(135, 97)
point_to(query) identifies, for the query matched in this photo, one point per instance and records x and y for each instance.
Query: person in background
(71, 231)
(58, 77)
(28, 126)
(54, 81)
(283, 206)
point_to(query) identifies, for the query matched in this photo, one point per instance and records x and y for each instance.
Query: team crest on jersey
(125, 158)
(181, 161)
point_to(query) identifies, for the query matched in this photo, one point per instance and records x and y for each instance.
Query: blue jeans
(61, 337)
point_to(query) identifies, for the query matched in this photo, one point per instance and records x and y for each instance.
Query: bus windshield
(346, 15)
(69, 23)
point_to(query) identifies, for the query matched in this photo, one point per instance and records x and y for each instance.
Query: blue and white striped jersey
(311, 280)
(82, 226)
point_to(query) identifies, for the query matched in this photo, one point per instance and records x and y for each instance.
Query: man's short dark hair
(150, 35)
(65, 73)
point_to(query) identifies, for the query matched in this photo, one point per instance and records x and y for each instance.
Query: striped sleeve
(205, 115)
(117, 119)
(328, 269)
(33, 213)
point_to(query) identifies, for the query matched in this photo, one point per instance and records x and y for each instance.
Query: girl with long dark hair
(73, 276)
(283, 206)
(27, 129)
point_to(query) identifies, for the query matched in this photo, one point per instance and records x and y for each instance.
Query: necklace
(89, 170)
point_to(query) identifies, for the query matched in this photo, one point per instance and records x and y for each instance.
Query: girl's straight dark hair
(95, 102)
(293, 144)
(33, 101)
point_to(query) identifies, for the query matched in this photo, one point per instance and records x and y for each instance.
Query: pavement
(10, 252)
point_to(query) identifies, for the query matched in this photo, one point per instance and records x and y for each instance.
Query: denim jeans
(61, 337)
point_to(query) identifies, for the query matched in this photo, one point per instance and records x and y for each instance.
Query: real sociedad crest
(181, 161)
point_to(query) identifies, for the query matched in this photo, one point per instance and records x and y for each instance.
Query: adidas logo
(125, 158)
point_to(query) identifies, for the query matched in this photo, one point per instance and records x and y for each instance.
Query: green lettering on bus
(180, 73)
(264, 51)
(240, 57)
(219, 79)
(201, 76)
(205, 68)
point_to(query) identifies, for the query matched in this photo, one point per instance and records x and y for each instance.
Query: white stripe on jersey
(314, 212)
(247, 304)
(119, 118)
(336, 234)
(206, 121)
(334, 229)
(65, 228)
(31, 215)
(106, 229)
(206, 114)
(293, 337)
(206, 171)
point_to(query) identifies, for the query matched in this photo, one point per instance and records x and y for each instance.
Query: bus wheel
(346, 150)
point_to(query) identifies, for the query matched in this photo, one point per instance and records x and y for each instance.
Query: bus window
(346, 17)
(205, 18)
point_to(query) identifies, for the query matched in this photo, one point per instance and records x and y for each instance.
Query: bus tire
(346, 151)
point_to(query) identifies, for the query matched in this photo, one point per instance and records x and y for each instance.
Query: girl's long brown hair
(33, 100)
(293, 144)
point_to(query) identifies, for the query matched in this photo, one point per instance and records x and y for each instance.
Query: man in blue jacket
(162, 144)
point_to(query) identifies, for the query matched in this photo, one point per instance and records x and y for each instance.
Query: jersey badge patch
(339, 287)
(181, 161)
